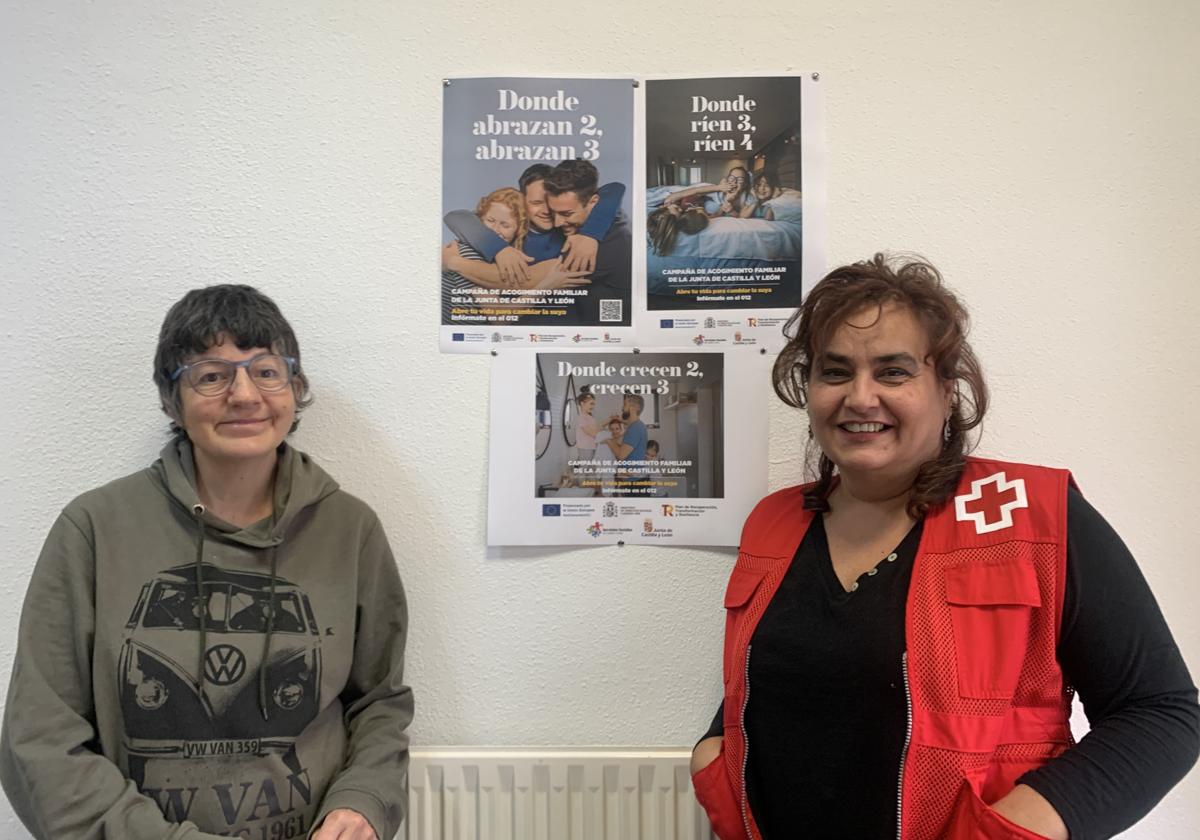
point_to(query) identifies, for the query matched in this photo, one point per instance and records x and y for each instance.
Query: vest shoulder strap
(997, 502)
(774, 528)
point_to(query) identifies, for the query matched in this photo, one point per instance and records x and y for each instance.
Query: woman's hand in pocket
(1027, 808)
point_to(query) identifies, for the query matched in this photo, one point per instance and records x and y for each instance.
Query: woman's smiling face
(500, 219)
(876, 405)
(243, 423)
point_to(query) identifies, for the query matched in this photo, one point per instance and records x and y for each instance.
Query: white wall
(1042, 154)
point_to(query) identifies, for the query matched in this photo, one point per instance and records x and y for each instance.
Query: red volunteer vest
(987, 696)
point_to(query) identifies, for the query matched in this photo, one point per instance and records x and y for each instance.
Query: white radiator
(458, 793)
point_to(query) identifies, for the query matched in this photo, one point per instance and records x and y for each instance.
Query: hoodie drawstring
(201, 601)
(262, 665)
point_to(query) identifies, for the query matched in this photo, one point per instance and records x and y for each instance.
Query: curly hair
(514, 201)
(917, 285)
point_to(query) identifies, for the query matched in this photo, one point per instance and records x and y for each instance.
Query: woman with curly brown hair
(914, 623)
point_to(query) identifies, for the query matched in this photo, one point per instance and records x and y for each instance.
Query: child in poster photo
(674, 212)
(766, 192)
(608, 448)
(733, 197)
(586, 428)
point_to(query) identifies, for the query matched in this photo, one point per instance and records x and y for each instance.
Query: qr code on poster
(610, 310)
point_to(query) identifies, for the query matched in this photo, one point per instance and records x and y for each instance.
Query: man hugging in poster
(561, 236)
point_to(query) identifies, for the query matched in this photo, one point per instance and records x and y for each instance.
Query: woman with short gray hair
(214, 646)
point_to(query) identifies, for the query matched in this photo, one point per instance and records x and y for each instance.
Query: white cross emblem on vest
(991, 502)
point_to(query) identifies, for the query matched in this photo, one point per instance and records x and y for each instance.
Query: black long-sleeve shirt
(826, 714)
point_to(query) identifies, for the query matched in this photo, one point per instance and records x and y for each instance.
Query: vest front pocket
(972, 819)
(715, 795)
(991, 606)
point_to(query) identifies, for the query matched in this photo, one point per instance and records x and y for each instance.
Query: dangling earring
(946, 433)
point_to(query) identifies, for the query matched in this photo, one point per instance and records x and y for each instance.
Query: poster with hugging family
(542, 203)
(536, 201)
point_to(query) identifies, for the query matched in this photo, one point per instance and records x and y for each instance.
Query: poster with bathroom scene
(536, 243)
(659, 448)
(734, 207)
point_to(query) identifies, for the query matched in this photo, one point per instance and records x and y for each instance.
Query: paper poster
(536, 242)
(661, 448)
(734, 207)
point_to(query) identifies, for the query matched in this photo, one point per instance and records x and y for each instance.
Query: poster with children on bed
(536, 240)
(734, 207)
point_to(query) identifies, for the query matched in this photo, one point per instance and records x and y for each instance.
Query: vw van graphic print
(165, 712)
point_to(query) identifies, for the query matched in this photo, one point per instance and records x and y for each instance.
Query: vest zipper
(904, 750)
(745, 803)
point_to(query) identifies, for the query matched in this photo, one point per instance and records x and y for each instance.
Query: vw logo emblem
(224, 665)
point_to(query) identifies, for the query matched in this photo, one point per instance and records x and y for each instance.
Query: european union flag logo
(458, 337)
(551, 510)
(667, 323)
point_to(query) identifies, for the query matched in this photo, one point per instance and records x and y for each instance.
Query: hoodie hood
(299, 483)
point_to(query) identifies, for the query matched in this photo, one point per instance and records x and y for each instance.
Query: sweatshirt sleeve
(379, 706)
(467, 227)
(1118, 652)
(59, 784)
(717, 727)
(601, 218)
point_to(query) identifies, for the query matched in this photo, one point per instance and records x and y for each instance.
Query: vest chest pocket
(991, 607)
(743, 583)
(741, 587)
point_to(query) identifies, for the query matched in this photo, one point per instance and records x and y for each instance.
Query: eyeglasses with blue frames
(213, 377)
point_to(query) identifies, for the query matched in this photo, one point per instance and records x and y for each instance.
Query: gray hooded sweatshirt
(179, 678)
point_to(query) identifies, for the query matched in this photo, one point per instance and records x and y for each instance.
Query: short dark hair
(652, 444)
(639, 400)
(537, 172)
(577, 176)
(872, 284)
(199, 318)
